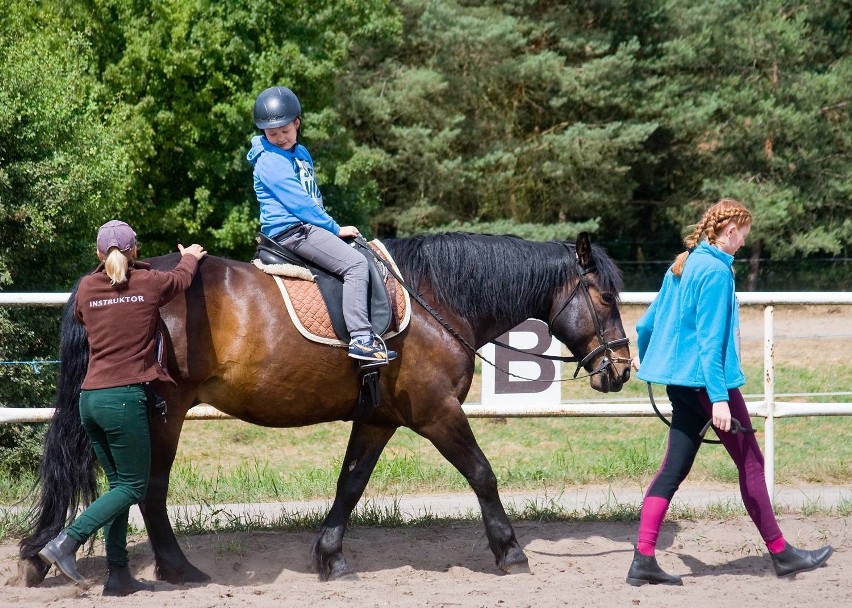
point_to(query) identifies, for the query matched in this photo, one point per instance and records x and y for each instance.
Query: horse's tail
(67, 471)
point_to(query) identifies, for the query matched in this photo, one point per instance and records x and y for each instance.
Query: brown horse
(230, 344)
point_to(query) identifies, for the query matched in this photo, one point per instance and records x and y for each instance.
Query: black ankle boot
(645, 571)
(792, 560)
(119, 581)
(61, 552)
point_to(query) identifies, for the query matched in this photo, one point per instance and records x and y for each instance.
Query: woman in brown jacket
(119, 306)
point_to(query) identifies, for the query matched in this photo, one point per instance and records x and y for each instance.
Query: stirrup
(365, 365)
(376, 346)
(389, 354)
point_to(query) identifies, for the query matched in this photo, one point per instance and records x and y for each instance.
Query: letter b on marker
(500, 388)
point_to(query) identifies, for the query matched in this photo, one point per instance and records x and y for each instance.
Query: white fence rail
(768, 408)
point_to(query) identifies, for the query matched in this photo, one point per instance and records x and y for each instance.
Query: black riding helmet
(276, 107)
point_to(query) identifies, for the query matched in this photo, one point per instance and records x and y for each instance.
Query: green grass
(526, 454)
(231, 461)
(15, 488)
(545, 455)
(13, 523)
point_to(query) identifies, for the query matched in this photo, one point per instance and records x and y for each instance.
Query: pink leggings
(691, 409)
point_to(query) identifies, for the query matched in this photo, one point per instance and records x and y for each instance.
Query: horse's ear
(583, 247)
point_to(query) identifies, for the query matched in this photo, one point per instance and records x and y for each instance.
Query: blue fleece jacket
(689, 335)
(286, 188)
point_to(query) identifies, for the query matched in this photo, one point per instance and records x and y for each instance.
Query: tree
(60, 166)
(752, 101)
(59, 175)
(182, 77)
(498, 110)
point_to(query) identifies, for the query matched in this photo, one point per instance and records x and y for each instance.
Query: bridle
(604, 346)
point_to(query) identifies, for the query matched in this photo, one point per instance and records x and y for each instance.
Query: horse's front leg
(366, 443)
(171, 564)
(451, 434)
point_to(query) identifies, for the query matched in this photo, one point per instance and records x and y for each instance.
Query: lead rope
(736, 425)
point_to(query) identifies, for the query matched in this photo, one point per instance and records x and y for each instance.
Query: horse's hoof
(519, 568)
(195, 575)
(515, 562)
(31, 572)
(338, 574)
(188, 574)
(349, 575)
(335, 569)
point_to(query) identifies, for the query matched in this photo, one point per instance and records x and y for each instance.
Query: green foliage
(758, 109)
(563, 231)
(27, 334)
(632, 113)
(490, 112)
(59, 176)
(58, 165)
(181, 79)
(20, 449)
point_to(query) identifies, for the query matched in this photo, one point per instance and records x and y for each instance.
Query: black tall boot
(645, 571)
(61, 552)
(792, 560)
(119, 581)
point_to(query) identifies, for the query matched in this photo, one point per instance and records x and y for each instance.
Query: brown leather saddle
(381, 308)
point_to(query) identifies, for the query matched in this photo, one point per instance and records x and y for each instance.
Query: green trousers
(116, 421)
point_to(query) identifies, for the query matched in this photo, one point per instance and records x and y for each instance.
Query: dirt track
(572, 564)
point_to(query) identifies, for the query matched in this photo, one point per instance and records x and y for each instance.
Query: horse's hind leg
(452, 435)
(366, 443)
(171, 563)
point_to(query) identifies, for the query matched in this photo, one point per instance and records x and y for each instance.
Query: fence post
(769, 397)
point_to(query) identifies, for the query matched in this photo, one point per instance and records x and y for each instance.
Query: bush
(20, 448)
(28, 335)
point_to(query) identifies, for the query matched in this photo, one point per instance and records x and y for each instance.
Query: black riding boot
(61, 552)
(792, 560)
(119, 581)
(645, 571)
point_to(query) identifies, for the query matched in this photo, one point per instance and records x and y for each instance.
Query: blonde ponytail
(116, 265)
(713, 220)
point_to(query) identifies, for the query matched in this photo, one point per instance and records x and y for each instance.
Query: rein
(604, 346)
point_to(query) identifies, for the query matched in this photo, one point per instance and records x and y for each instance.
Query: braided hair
(714, 219)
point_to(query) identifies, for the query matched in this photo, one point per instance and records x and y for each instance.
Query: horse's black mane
(484, 276)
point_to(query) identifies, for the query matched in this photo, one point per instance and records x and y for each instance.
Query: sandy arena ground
(572, 564)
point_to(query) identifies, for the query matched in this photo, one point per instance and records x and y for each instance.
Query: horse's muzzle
(608, 376)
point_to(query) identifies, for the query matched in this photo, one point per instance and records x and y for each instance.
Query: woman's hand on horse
(347, 232)
(634, 363)
(195, 250)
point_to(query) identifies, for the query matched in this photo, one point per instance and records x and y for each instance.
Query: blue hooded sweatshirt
(286, 188)
(689, 334)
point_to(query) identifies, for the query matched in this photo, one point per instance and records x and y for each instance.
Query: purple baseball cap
(116, 233)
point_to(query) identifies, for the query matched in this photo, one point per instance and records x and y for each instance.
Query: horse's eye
(608, 298)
